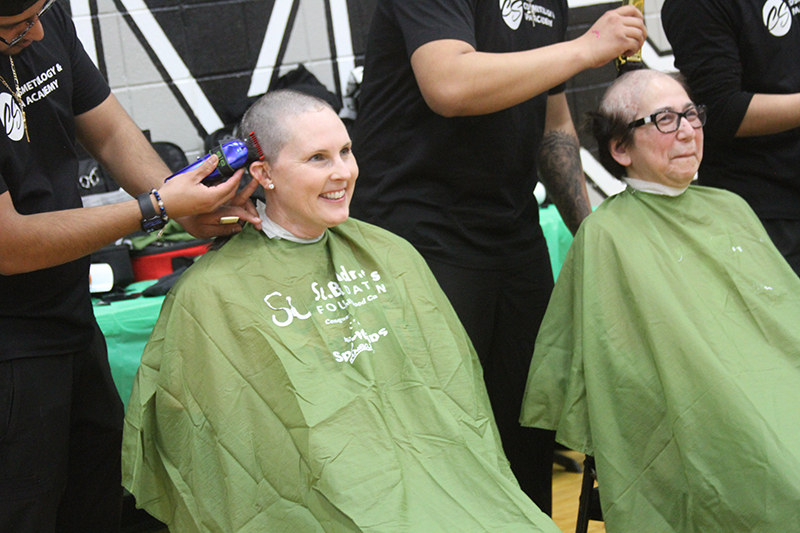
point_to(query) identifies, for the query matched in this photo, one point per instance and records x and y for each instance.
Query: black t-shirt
(47, 312)
(729, 50)
(460, 189)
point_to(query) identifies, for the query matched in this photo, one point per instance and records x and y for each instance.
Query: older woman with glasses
(671, 348)
(312, 376)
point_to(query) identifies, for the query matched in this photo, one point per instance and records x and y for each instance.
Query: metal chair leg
(589, 502)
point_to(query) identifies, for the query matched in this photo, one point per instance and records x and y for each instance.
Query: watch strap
(151, 221)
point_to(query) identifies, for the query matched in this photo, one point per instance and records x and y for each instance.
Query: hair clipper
(633, 62)
(232, 155)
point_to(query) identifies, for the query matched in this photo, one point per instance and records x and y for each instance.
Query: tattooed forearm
(562, 175)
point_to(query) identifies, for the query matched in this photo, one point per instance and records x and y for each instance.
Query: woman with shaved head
(311, 376)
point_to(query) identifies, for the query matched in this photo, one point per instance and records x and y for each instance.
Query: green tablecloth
(557, 236)
(127, 324)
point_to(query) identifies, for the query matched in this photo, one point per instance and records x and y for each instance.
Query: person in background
(462, 101)
(60, 414)
(670, 349)
(312, 376)
(742, 59)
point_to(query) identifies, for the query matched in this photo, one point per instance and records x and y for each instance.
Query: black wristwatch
(151, 221)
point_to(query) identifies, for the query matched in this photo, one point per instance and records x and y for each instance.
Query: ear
(260, 172)
(620, 153)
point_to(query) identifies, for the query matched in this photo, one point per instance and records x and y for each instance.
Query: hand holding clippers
(232, 155)
(633, 62)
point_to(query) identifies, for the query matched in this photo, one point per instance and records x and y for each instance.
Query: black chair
(589, 502)
(568, 463)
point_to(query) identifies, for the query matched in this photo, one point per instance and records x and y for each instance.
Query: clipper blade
(257, 153)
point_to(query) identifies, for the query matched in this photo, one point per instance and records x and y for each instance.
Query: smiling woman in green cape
(312, 376)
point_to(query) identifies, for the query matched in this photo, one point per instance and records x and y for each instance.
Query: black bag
(119, 257)
(171, 154)
(300, 79)
(93, 178)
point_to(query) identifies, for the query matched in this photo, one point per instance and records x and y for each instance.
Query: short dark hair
(607, 128)
(12, 8)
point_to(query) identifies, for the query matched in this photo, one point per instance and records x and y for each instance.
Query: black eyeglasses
(670, 121)
(35, 19)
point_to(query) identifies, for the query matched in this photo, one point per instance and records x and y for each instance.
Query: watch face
(152, 224)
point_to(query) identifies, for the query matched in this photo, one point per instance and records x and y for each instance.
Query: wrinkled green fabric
(671, 352)
(173, 232)
(316, 387)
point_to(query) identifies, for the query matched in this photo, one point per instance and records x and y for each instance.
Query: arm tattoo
(561, 173)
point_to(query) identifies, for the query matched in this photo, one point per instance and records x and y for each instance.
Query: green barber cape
(671, 352)
(317, 387)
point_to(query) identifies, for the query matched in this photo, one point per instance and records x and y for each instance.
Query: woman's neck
(653, 187)
(273, 230)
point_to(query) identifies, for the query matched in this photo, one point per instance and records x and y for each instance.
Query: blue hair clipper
(232, 155)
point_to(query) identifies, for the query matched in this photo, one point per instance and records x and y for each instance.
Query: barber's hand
(618, 32)
(228, 218)
(201, 210)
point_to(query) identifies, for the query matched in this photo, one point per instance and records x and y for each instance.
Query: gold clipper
(634, 61)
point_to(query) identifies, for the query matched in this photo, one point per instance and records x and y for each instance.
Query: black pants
(501, 311)
(786, 236)
(60, 444)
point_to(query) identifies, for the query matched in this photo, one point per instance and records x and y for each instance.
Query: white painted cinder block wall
(170, 102)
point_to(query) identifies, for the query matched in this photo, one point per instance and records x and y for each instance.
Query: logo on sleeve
(514, 11)
(778, 16)
(11, 117)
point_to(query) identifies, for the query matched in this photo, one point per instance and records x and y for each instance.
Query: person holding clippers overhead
(462, 110)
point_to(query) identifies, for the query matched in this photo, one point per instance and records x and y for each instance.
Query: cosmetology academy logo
(11, 106)
(778, 15)
(11, 116)
(514, 11)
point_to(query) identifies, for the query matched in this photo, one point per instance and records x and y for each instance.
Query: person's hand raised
(618, 32)
(205, 211)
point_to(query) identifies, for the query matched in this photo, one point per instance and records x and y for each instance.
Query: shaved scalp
(622, 96)
(271, 118)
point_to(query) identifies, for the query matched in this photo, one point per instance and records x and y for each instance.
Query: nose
(36, 33)
(685, 130)
(345, 168)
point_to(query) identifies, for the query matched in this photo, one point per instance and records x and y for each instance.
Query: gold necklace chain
(17, 96)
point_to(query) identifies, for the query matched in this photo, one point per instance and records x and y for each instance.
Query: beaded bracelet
(160, 202)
